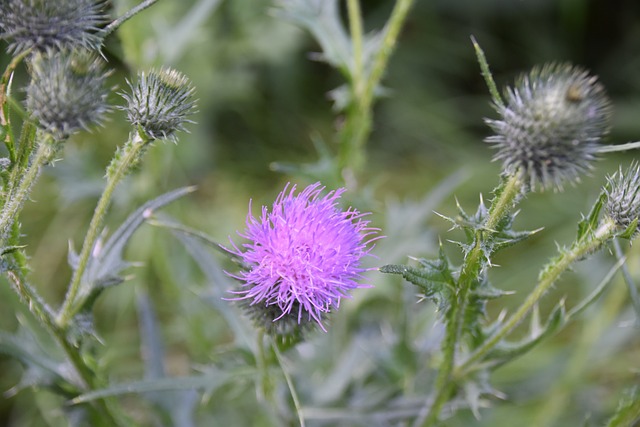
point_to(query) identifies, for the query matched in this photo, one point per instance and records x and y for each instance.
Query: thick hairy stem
(469, 273)
(16, 199)
(358, 122)
(579, 250)
(119, 168)
(124, 18)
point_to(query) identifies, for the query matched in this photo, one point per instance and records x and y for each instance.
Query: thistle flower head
(623, 196)
(551, 126)
(47, 24)
(302, 258)
(67, 91)
(160, 103)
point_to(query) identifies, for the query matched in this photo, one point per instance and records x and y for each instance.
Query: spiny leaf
(506, 352)
(433, 277)
(630, 231)
(486, 73)
(475, 221)
(211, 381)
(488, 292)
(474, 226)
(475, 388)
(590, 223)
(41, 366)
(475, 309)
(324, 169)
(628, 410)
(243, 332)
(432, 274)
(106, 262)
(505, 239)
(178, 404)
(322, 19)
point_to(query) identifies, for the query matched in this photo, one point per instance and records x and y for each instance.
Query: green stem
(394, 25)
(506, 198)
(486, 73)
(633, 290)
(120, 166)
(591, 331)
(627, 415)
(358, 122)
(124, 18)
(31, 298)
(621, 147)
(355, 28)
(22, 157)
(292, 389)
(5, 81)
(15, 200)
(580, 249)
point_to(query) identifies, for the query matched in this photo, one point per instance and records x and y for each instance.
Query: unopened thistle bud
(48, 24)
(623, 196)
(67, 92)
(551, 126)
(160, 103)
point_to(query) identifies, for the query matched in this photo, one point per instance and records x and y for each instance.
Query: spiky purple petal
(304, 255)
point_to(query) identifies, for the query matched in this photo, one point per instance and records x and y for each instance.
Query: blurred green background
(261, 99)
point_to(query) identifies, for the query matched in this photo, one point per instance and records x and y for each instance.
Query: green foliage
(433, 277)
(106, 263)
(628, 411)
(169, 348)
(440, 282)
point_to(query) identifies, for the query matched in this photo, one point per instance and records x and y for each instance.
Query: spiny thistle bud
(623, 196)
(160, 103)
(551, 126)
(67, 92)
(301, 259)
(48, 24)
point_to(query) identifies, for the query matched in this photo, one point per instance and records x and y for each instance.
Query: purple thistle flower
(302, 257)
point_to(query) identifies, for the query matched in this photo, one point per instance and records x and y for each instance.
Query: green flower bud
(67, 92)
(51, 24)
(623, 196)
(551, 126)
(160, 103)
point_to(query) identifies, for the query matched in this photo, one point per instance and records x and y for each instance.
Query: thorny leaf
(433, 277)
(178, 405)
(507, 351)
(590, 223)
(106, 261)
(322, 19)
(41, 366)
(628, 410)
